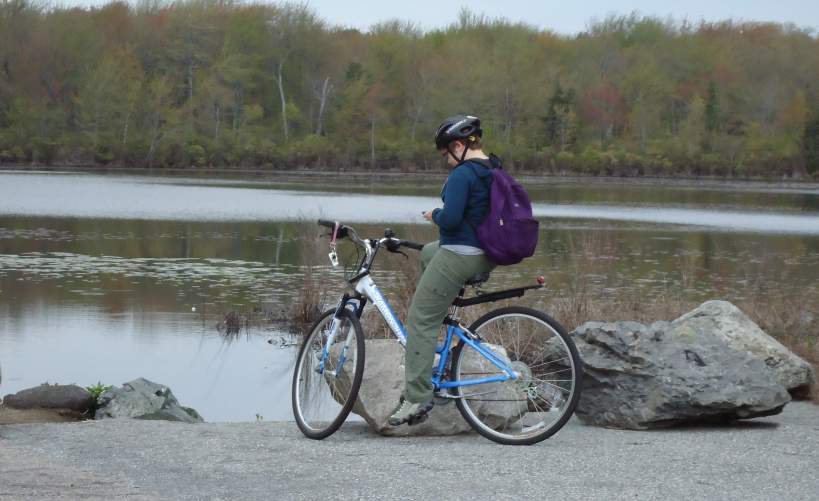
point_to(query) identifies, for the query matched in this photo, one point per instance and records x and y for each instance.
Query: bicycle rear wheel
(324, 396)
(538, 403)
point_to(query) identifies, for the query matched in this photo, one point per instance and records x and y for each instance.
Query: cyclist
(447, 263)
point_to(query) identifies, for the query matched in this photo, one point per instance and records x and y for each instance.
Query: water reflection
(78, 344)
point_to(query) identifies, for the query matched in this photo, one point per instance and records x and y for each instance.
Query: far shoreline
(709, 182)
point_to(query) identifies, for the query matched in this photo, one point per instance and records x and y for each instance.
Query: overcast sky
(564, 16)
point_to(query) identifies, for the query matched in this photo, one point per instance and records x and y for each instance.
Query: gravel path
(770, 458)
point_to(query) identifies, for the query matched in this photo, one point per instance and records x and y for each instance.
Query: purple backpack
(509, 233)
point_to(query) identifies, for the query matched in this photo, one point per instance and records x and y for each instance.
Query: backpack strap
(483, 161)
(493, 162)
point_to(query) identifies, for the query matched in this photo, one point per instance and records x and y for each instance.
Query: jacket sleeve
(456, 193)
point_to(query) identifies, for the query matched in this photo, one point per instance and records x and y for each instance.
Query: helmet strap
(451, 153)
(463, 155)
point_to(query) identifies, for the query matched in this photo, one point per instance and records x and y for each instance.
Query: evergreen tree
(810, 144)
(561, 120)
(712, 109)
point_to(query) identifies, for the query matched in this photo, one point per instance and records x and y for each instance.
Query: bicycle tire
(319, 407)
(513, 393)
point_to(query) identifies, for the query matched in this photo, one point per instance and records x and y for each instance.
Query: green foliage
(104, 154)
(810, 145)
(197, 155)
(97, 390)
(561, 119)
(215, 84)
(712, 109)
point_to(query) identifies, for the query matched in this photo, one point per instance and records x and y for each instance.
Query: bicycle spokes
(328, 374)
(539, 399)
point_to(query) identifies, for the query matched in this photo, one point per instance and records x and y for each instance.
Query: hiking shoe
(410, 413)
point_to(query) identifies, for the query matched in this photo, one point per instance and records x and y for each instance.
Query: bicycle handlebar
(411, 245)
(343, 231)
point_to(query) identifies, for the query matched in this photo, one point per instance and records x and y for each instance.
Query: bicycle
(514, 374)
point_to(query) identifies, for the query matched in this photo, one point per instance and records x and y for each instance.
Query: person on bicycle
(447, 263)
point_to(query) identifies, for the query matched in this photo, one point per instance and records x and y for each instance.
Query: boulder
(735, 329)
(9, 415)
(665, 374)
(382, 386)
(52, 396)
(143, 399)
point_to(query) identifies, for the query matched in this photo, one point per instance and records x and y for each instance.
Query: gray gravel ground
(770, 458)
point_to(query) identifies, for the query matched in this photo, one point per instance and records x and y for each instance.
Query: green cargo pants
(443, 274)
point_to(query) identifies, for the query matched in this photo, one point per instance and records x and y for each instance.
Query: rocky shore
(139, 399)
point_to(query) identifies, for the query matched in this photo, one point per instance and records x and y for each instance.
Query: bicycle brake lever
(393, 248)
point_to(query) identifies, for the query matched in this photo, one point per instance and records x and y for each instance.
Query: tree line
(217, 83)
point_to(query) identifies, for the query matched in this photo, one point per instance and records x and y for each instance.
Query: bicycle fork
(335, 326)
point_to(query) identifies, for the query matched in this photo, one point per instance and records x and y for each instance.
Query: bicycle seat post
(453, 310)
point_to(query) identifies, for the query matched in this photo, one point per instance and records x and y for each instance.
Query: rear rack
(494, 296)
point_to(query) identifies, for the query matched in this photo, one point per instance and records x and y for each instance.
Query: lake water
(112, 277)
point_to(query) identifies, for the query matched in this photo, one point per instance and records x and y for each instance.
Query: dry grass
(791, 316)
(310, 301)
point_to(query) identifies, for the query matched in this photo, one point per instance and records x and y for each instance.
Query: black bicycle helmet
(465, 127)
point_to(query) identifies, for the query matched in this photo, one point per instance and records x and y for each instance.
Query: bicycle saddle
(477, 279)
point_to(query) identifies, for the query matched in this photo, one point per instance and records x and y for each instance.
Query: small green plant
(97, 390)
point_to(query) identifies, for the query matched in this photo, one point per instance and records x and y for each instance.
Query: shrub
(44, 151)
(197, 155)
(170, 154)
(133, 154)
(414, 156)
(565, 160)
(312, 150)
(589, 161)
(262, 152)
(104, 154)
(13, 154)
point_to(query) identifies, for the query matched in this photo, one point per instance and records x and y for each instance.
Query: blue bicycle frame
(468, 338)
(367, 288)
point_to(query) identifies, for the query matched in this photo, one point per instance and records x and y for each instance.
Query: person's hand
(428, 215)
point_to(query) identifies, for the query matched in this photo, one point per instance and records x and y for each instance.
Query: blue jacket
(466, 200)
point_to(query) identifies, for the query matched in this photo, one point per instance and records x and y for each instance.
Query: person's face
(453, 154)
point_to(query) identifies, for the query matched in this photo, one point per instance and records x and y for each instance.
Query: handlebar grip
(412, 245)
(329, 224)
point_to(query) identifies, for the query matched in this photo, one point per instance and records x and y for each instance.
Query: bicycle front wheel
(543, 396)
(328, 374)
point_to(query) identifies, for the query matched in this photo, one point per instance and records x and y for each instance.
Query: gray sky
(561, 16)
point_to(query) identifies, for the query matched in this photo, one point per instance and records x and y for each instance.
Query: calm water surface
(112, 277)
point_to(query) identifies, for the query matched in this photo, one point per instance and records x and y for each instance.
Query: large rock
(52, 396)
(639, 377)
(9, 415)
(734, 328)
(143, 399)
(381, 390)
